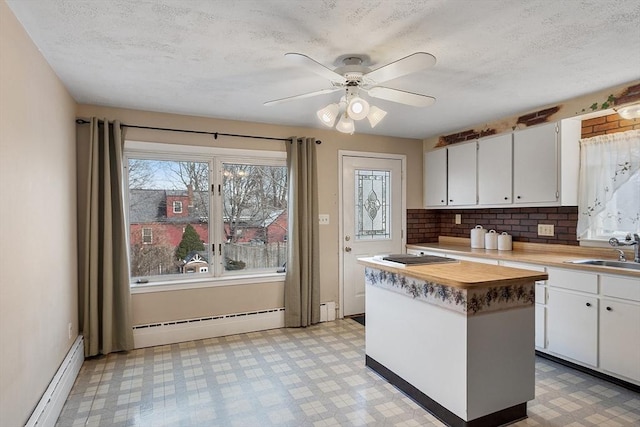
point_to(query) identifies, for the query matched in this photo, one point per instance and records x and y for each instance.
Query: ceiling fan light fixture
(629, 112)
(329, 114)
(358, 108)
(345, 124)
(375, 115)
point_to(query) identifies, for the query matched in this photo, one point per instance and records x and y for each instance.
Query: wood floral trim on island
(464, 301)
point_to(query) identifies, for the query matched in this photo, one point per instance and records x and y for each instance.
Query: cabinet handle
(451, 200)
(588, 304)
(441, 201)
(519, 197)
(506, 198)
(609, 309)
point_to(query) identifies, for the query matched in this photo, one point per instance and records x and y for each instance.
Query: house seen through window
(211, 217)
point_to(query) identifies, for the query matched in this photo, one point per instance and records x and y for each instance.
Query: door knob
(347, 249)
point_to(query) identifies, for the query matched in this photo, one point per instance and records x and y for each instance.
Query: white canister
(505, 242)
(477, 237)
(491, 240)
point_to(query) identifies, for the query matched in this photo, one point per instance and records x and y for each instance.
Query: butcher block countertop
(533, 253)
(460, 274)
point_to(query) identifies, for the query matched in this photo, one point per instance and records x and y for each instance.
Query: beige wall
(159, 306)
(37, 222)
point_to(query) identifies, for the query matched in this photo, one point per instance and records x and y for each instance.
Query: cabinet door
(535, 164)
(435, 178)
(495, 170)
(620, 338)
(462, 174)
(541, 317)
(572, 326)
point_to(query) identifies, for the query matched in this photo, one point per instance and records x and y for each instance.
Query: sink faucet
(635, 242)
(621, 256)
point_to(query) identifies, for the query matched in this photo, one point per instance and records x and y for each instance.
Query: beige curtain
(103, 274)
(302, 282)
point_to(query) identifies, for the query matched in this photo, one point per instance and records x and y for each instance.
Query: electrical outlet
(545, 230)
(458, 219)
(323, 219)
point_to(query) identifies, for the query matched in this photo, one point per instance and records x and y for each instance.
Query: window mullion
(217, 223)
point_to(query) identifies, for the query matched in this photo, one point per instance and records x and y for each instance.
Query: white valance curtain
(609, 184)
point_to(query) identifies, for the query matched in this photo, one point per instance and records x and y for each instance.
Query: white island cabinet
(447, 333)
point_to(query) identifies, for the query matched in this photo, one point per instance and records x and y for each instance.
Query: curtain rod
(215, 134)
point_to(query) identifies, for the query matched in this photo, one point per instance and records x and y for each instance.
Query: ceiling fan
(354, 78)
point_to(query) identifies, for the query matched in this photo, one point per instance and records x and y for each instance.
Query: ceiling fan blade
(316, 67)
(401, 96)
(407, 65)
(302, 96)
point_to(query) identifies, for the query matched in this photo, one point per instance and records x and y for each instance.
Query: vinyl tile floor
(298, 377)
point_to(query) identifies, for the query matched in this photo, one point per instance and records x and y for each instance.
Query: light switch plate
(323, 219)
(458, 219)
(545, 230)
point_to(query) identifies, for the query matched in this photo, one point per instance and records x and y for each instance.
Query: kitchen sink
(607, 263)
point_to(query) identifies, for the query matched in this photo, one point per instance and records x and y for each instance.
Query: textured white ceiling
(225, 58)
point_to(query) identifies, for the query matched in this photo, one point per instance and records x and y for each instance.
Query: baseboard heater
(50, 405)
(172, 332)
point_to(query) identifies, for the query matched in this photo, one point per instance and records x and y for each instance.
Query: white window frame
(177, 203)
(150, 242)
(216, 157)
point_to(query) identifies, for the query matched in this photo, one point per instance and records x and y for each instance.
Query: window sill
(207, 282)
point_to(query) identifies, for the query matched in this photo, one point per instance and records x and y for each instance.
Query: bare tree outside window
(255, 216)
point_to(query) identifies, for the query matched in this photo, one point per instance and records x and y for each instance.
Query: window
(254, 216)
(147, 236)
(214, 212)
(609, 200)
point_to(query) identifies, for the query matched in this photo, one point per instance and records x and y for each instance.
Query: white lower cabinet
(572, 325)
(541, 318)
(620, 338)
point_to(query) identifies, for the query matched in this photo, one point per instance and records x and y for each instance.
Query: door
(461, 174)
(435, 177)
(535, 164)
(572, 326)
(372, 219)
(495, 170)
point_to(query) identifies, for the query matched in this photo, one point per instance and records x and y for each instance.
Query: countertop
(531, 253)
(460, 274)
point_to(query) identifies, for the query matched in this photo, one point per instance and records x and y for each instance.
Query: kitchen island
(456, 337)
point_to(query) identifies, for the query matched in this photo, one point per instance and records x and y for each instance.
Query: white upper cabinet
(535, 164)
(462, 174)
(435, 177)
(495, 170)
(545, 164)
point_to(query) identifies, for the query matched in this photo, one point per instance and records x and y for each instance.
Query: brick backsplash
(425, 225)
